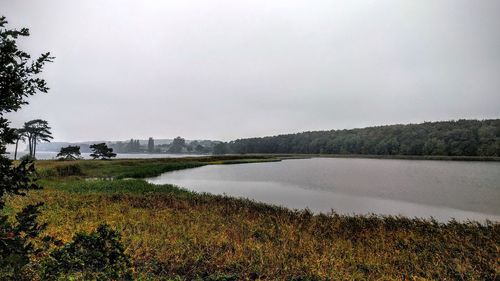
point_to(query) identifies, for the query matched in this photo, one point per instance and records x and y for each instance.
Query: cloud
(230, 69)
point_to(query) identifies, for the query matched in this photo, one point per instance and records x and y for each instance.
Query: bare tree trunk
(30, 145)
(15, 151)
(34, 148)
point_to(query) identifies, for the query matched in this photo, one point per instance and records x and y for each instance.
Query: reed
(175, 234)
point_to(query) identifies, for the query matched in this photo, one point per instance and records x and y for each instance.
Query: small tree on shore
(102, 151)
(71, 152)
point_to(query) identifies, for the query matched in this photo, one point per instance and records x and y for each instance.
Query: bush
(69, 170)
(95, 256)
(16, 248)
(27, 157)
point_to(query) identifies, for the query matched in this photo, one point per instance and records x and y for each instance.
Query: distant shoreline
(288, 156)
(371, 156)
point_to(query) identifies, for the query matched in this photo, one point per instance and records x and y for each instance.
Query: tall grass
(135, 168)
(173, 233)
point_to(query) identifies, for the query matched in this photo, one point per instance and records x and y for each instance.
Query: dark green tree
(102, 151)
(488, 137)
(177, 145)
(36, 131)
(71, 152)
(20, 136)
(18, 81)
(200, 148)
(151, 145)
(448, 138)
(133, 146)
(221, 148)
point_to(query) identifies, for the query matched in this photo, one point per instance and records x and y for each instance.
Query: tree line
(445, 138)
(178, 145)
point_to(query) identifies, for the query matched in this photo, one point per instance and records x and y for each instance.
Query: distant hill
(449, 138)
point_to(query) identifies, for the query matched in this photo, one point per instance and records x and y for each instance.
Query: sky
(233, 69)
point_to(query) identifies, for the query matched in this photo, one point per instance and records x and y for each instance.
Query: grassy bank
(173, 233)
(135, 168)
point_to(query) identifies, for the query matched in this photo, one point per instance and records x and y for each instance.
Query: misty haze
(249, 140)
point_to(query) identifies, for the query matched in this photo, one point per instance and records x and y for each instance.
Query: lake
(415, 188)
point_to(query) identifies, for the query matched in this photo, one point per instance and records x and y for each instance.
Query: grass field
(171, 233)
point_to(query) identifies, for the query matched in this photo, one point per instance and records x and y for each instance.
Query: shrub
(95, 256)
(27, 157)
(69, 170)
(16, 248)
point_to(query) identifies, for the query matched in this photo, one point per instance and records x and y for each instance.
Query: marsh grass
(171, 233)
(135, 168)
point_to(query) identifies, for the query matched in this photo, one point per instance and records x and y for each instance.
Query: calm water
(441, 189)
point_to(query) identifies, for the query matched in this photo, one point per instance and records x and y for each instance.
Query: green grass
(173, 233)
(134, 168)
(129, 186)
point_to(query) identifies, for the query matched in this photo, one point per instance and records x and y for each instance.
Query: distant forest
(449, 138)
(178, 145)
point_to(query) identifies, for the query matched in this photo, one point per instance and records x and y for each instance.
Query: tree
(177, 145)
(18, 81)
(151, 145)
(20, 136)
(102, 151)
(69, 153)
(133, 146)
(487, 136)
(200, 149)
(221, 148)
(454, 138)
(36, 130)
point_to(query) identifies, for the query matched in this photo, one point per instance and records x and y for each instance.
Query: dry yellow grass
(173, 233)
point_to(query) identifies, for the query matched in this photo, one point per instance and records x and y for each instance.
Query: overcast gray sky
(231, 69)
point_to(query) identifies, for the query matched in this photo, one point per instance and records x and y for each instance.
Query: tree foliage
(101, 151)
(18, 73)
(177, 145)
(35, 131)
(20, 135)
(151, 145)
(450, 138)
(95, 256)
(71, 152)
(221, 148)
(18, 80)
